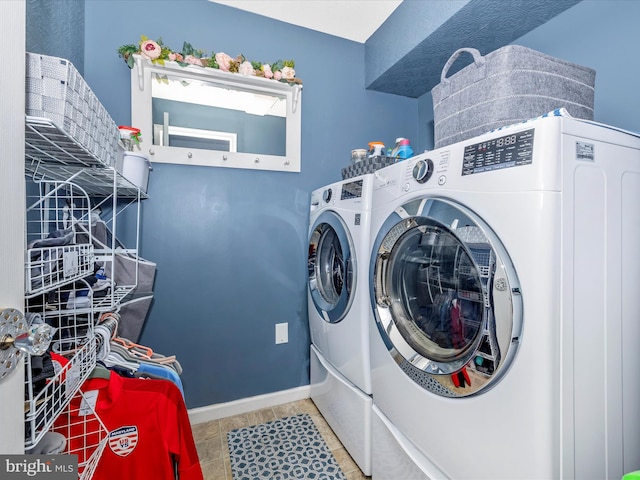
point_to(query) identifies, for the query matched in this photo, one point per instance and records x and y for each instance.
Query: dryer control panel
(351, 190)
(507, 151)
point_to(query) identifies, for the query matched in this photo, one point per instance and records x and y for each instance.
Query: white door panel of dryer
(589, 334)
(602, 187)
(630, 327)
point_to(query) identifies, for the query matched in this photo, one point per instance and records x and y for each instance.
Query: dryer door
(331, 267)
(446, 297)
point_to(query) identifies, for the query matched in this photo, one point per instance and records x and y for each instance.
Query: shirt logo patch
(123, 440)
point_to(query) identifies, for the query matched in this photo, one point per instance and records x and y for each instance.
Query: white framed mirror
(202, 116)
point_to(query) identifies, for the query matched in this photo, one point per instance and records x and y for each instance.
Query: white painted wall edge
(245, 405)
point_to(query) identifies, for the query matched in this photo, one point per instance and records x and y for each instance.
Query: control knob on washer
(326, 195)
(422, 170)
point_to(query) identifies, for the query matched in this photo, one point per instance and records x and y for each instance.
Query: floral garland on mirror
(157, 52)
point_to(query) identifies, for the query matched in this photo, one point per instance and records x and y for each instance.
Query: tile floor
(211, 439)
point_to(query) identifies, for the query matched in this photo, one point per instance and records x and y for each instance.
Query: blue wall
(602, 35)
(56, 29)
(231, 244)
(599, 34)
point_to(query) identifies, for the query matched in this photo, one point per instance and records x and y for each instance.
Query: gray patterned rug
(285, 449)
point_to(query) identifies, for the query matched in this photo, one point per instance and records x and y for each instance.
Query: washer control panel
(507, 151)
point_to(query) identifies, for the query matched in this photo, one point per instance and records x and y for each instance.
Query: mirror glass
(202, 116)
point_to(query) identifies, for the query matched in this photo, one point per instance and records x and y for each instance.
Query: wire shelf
(97, 181)
(48, 268)
(55, 256)
(51, 154)
(74, 157)
(85, 433)
(44, 140)
(113, 299)
(44, 405)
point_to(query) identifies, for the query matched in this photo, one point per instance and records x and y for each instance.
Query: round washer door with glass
(331, 267)
(446, 297)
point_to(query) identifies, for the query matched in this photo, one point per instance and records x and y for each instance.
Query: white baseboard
(244, 405)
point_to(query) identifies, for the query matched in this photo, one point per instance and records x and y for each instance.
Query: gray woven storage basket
(56, 91)
(368, 165)
(506, 86)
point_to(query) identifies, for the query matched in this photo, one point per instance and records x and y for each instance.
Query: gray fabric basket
(506, 86)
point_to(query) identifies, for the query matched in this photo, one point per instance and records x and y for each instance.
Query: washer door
(446, 297)
(331, 266)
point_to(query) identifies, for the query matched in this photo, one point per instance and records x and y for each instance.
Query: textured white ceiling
(354, 20)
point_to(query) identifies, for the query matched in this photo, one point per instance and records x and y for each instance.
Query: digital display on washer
(502, 152)
(351, 190)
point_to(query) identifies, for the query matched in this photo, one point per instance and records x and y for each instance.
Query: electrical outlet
(282, 333)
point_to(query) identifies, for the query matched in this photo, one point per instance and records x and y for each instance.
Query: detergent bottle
(403, 149)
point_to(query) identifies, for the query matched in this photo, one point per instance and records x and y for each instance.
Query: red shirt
(148, 430)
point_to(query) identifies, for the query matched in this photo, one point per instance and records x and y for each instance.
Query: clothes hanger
(116, 359)
(135, 348)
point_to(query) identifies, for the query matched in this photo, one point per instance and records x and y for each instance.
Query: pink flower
(246, 68)
(266, 71)
(277, 75)
(150, 50)
(192, 60)
(175, 57)
(288, 73)
(223, 61)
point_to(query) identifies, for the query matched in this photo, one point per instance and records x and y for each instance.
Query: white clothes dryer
(338, 298)
(503, 280)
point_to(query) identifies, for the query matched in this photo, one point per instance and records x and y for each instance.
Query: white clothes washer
(503, 283)
(338, 299)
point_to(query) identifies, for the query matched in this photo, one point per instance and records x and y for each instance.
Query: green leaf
(209, 61)
(187, 49)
